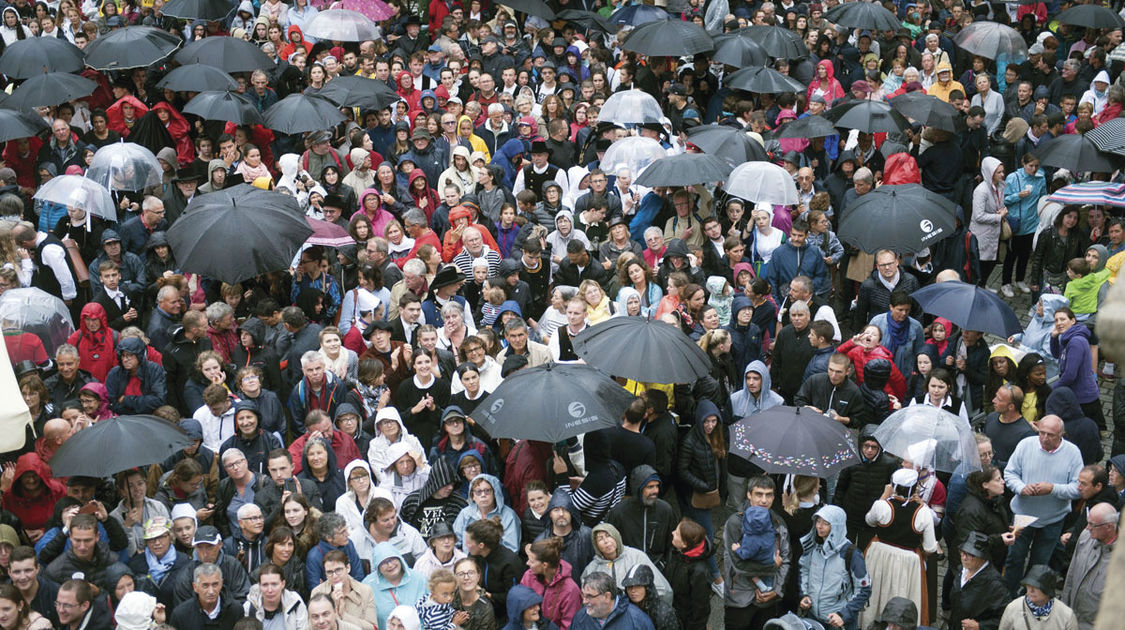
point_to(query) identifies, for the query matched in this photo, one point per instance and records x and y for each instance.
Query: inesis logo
(576, 409)
(927, 225)
(929, 233)
(497, 406)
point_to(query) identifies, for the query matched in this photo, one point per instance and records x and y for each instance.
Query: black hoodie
(861, 484)
(422, 510)
(259, 354)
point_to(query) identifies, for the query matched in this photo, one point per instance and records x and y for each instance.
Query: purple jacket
(1072, 349)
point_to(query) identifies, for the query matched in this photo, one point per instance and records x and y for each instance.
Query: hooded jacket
(627, 558)
(624, 616)
(578, 545)
(690, 579)
(845, 399)
(648, 528)
(422, 510)
(411, 586)
(381, 218)
(33, 512)
(746, 341)
(1036, 336)
(699, 469)
(825, 575)
(520, 598)
(828, 87)
(508, 518)
(511, 150)
(604, 484)
(96, 350)
(377, 451)
(789, 261)
(257, 447)
(988, 200)
(1083, 292)
(115, 117)
(743, 404)
(150, 389)
(1072, 349)
(258, 354)
(859, 485)
(562, 598)
(1080, 430)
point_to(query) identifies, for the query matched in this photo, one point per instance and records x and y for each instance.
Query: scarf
(696, 551)
(897, 333)
(159, 567)
(1039, 611)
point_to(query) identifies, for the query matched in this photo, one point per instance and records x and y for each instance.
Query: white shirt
(560, 178)
(216, 430)
(54, 256)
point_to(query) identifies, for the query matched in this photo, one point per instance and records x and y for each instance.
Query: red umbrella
(328, 234)
(377, 10)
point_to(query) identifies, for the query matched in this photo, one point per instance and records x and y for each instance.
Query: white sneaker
(718, 588)
(1007, 291)
(991, 290)
(1022, 286)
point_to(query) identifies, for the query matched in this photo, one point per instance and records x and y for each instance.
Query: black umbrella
(226, 53)
(16, 124)
(52, 88)
(25, 58)
(968, 306)
(762, 80)
(1074, 152)
(1109, 136)
(228, 106)
(132, 47)
(637, 14)
(796, 440)
(588, 20)
(902, 217)
(538, 8)
(685, 169)
(645, 350)
(356, 91)
(671, 38)
(197, 77)
(1091, 16)
(238, 233)
(807, 127)
(870, 15)
(731, 144)
(568, 400)
(929, 110)
(115, 444)
(301, 113)
(778, 42)
(868, 117)
(739, 52)
(199, 9)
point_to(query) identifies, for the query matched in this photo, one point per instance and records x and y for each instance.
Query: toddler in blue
(754, 554)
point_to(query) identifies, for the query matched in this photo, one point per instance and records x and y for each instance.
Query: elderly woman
(487, 496)
(990, 100)
(1039, 608)
(473, 351)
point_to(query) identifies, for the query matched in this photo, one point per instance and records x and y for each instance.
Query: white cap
(183, 510)
(905, 477)
(134, 612)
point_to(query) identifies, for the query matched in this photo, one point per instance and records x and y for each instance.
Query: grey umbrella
(671, 38)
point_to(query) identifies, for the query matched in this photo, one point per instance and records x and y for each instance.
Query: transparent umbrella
(630, 107)
(125, 166)
(634, 152)
(762, 182)
(931, 437)
(992, 41)
(35, 312)
(343, 25)
(80, 192)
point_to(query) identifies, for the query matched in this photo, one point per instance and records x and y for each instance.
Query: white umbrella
(35, 311)
(343, 25)
(763, 182)
(125, 166)
(630, 107)
(80, 192)
(634, 152)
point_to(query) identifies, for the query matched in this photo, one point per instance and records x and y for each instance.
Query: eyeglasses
(466, 574)
(1097, 525)
(66, 606)
(481, 491)
(335, 572)
(252, 519)
(449, 122)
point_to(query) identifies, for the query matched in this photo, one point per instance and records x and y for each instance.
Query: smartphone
(89, 508)
(291, 484)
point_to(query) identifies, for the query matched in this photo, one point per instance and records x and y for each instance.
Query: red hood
(398, 83)
(294, 29)
(93, 310)
(31, 462)
(415, 174)
(178, 126)
(901, 168)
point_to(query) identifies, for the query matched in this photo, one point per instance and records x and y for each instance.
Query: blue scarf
(159, 567)
(1039, 611)
(897, 333)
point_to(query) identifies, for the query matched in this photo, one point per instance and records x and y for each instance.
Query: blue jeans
(703, 517)
(1040, 542)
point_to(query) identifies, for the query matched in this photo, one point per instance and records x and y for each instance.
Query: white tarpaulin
(14, 415)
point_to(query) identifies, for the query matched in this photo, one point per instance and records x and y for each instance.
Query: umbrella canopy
(538, 8)
(229, 106)
(197, 77)
(1109, 136)
(15, 418)
(570, 399)
(26, 58)
(1093, 16)
(869, 15)
(634, 152)
(685, 169)
(739, 52)
(269, 228)
(357, 91)
(199, 9)
(929, 110)
(376, 10)
(115, 444)
(16, 124)
(225, 53)
(728, 143)
(645, 350)
(992, 41)
(1093, 193)
(638, 14)
(132, 47)
(793, 440)
(80, 192)
(301, 113)
(630, 107)
(968, 306)
(34, 311)
(671, 38)
(1074, 152)
(930, 437)
(867, 117)
(125, 166)
(52, 88)
(763, 182)
(778, 42)
(807, 127)
(762, 80)
(342, 25)
(588, 20)
(902, 218)
(327, 234)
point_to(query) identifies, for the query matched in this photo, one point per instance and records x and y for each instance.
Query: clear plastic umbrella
(992, 41)
(77, 191)
(762, 182)
(930, 437)
(343, 25)
(36, 312)
(630, 107)
(125, 166)
(634, 152)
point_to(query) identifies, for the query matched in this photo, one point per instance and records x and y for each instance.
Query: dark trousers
(1019, 252)
(748, 618)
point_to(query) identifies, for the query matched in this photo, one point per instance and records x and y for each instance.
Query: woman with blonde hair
(343, 362)
(598, 305)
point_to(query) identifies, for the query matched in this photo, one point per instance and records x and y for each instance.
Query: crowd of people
(336, 477)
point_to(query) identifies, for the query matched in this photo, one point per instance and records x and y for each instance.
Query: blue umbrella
(637, 14)
(969, 306)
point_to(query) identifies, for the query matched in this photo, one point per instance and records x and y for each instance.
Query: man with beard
(644, 519)
(566, 523)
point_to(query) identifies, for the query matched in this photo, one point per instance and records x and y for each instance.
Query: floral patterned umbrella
(793, 440)
(376, 10)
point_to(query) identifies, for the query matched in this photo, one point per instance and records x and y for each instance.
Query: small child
(755, 553)
(494, 297)
(436, 609)
(820, 231)
(940, 330)
(722, 296)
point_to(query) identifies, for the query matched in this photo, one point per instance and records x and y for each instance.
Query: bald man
(55, 432)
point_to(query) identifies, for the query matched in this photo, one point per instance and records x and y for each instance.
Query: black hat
(207, 534)
(618, 220)
(378, 324)
(440, 529)
(334, 201)
(446, 276)
(412, 19)
(187, 174)
(639, 575)
(1041, 577)
(508, 267)
(602, 144)
(489, 40)
(25, 367)
(976, 545)
(540, 146)
(678, 89)
(452, 412)
(512, 363)
(558, 41)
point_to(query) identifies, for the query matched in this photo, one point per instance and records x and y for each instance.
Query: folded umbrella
(671, 38)
(638, 14)
(685, 169)
(109, 446)
(16, 124)
(739, 52)
(930, 437)
(807, 127)
(778, 42)
(328, 234)
(1109, 136)
(733, 145)
(900, 217)
(992, 41)
(867, 117)
(197, 77)
(125, 166)
(762, 182)
(238, 233)
(228, 106)
(1074, 152)
(569, 400)
(793, 440)
(868, 15)
(52, 88)
(630, 107)
(642, 349)
(968, 306)
(199, 9)
(1093, 16)
(225, 53)
(929, 110)
(356, 91)
(79, 192)
(342, 25)
(761, 80)
(25, 58)
(301, 113)
(132, 47)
